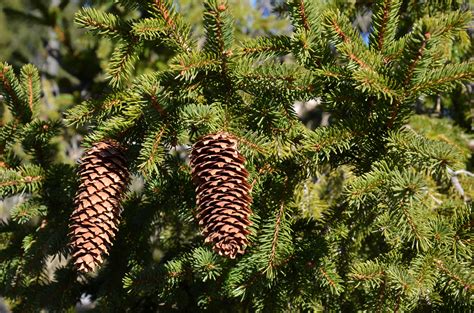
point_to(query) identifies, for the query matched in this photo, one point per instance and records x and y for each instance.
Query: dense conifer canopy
(362, 202)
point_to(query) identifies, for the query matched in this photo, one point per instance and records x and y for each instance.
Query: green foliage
(24, 179)
(21, 95)
(371, 212)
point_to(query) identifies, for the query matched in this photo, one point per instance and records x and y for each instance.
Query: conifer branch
(416, 59)
(381, 295)
(267, 46)
(102, 23)
(150, 151)
(148, 28)
(31, 86)
(189, 66)
(371, 276)
(444, 78)
(122, 62)
(23, 180)
(343, 40)
(11, 89)
(326, 276)
(440, 264)
(250, 144)
(383, 26)
(327, 140)
(30, 93)
(383, 227)
(219, 35)
(90, 109)
(165, 13)
(411, 222)
(304, 18)
(179, 34)
(276, 232)
(376, 83)
(27, 178)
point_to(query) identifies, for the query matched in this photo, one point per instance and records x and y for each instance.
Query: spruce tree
(234, 204)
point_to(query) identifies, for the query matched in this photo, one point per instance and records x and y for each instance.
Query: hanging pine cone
(93, 224)
(223, 193)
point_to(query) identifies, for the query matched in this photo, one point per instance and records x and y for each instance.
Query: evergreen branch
(370, 276)
(376, 83)
(28, 210)
(333, 72)
(22, 180)
(381, 295)
(30, 82)
(166, 14)
(25, 179)
(148, 28)
(253, 146)
(151, 154)
(423, 153)
(442, 266)
(447, 24)
(203, 119)
(323, 142)
(276, 246)
(303, 16)
(178, 32)
(267, 46)
(326, 276)
(276, 232)
(90, 110)
(122, 62)
(13, 93)
(384, 23)
(8, 135)
(219, 36)
(443, 79)
(348, 42)
(37, 134)
(366, 188)
(135, 4)
(417, 57)
(189, 66)
(218, 24)
(369, 272)
(270, 78)
(102, 23)
(116, 125)
(407, 207)
(411, 223)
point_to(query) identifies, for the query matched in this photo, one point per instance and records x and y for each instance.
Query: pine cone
(93, 224)
(223, 193)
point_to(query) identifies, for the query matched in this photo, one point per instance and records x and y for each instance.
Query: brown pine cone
(223, 193)
(94, 222)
